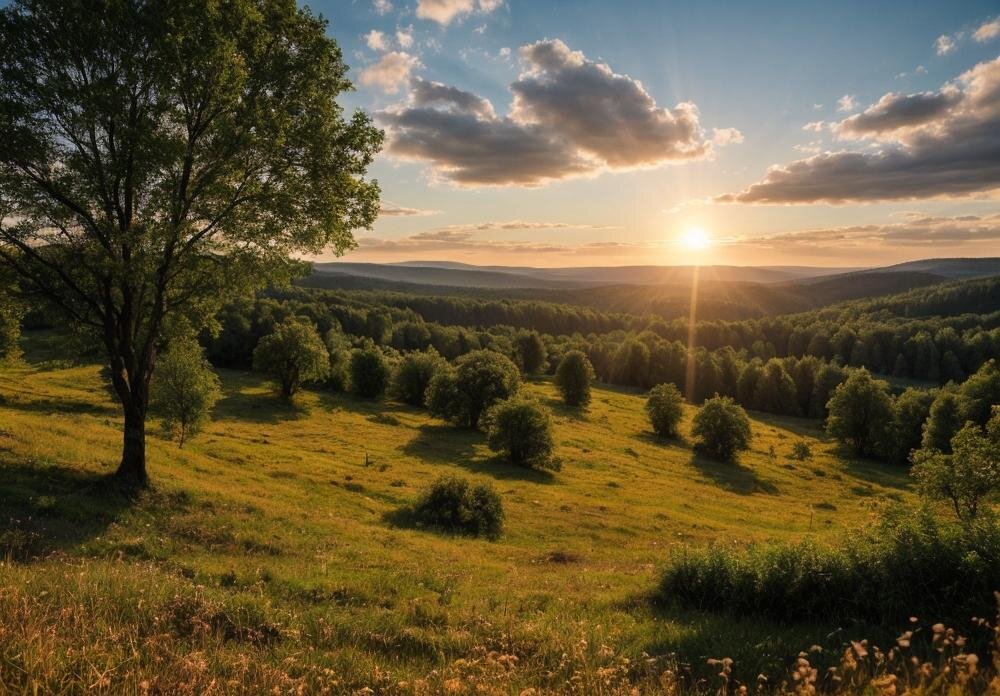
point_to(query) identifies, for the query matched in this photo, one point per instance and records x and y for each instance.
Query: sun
(696, 239)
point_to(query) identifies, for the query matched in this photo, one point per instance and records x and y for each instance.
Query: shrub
(909, 562)
(294, 353)
(943, 420)
(413, 375)
(801, 451)
(453, 504)
(338, 345)
(530, 351)
(573, 378)
(479, 380)
(721, 428)
(184, 389)
(861, 415)
(665, 408)
(369, 373)
(520, 430)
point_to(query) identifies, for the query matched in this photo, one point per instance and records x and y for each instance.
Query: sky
(598, 133)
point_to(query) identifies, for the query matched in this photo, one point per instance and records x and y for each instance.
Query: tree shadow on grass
(46, 406)
(871, 471)
(732, 476)
(651, 438)
(266, 407)
(449, 445)
(48, 508)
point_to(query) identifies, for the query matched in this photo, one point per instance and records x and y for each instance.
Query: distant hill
(955, 269)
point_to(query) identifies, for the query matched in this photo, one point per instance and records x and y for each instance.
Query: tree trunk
(132, 470)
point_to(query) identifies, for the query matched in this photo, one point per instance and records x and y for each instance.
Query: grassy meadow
(270, 554)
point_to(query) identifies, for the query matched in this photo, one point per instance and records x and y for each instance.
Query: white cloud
(726, 136)
(846, 103)
(391, 72)
(376, 40)
(944, 45)
(382, 7)
(446, 11)
(814, 126)
(987, 31)
(387, 209)
(404, 36)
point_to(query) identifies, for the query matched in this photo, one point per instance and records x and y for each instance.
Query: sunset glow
(696, 239)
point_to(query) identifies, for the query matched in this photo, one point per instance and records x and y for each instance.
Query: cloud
(391, 72)
(376, 40)
(987, 31)
(569, 117)
(846, 103)
(914, 230)
(815, 126)
(925, 145)
(445, 11)
(726, 136)
(404, 36)
(944, 45)
(387, 209)
(382, 7)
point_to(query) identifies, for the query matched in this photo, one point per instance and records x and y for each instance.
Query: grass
(265, 553)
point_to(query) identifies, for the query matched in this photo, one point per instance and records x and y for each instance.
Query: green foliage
(664, 406)
(969, 475)
(908, 563)
(943, 421)
(338, 345)
(721, 428)
(801, 451)
(413, 375)
(185, 389)
(294, 353)
(479, 380)
(200, 146)
(911, 408)
(828, 378)
(861, 414)
(453, 504)
(980, 393)
(520, 430)
(573, 378)
(369, 373)
(11, 314)
(531, 352)
(775, 391)
(630, 364)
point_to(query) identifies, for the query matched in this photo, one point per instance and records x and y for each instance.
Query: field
(270, 550)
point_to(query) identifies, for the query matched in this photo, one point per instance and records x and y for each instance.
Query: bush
(861, 415)
(909, 562)
(294, 353)
(801, 451)
(530, 352)
(455, 505)
(338, 345)
(479, 380)
(413, 375)
(369, 373)
(721, 428)
(184, 389)
(520, 430)
(665, 408)
(943, 420)
(573, 378)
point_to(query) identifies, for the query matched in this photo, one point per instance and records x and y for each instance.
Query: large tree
(158, 157)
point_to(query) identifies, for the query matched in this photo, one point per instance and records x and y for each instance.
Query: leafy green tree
(413, 375)
(11, 314)
(630, 364)
(861, 414)
(747, 383)
(943, 420)
(294, 353)
(775, 391)
(369, 372)
(159, 158)
(338, 346)
(479, 380)
(185, 389)
(912, 408)
(980, 393)
(721, 428)
(573, 378)
(520, 430)
(828, 378)
(530, 352)
(969, 475)
(665, 407)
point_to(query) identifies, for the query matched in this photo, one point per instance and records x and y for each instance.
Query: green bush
(801, 451)
(479, 380)
(454, 505)
(721, 428)
(911, 562)
(294, 353)
(861, 415)
(413, 375)
(520, 430)
(573, 378)
(369, 373)
(184, 389)
(665, 408)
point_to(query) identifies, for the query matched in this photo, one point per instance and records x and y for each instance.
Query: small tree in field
(185, 389)
(369, 373)
(479, 380)
(573, 378)
(721, 428)
(861, 414)
(159, 158)
(530, 352)
(294, 353)
(969, 475)
(520, 430)
(665, 408)
(413, 375)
